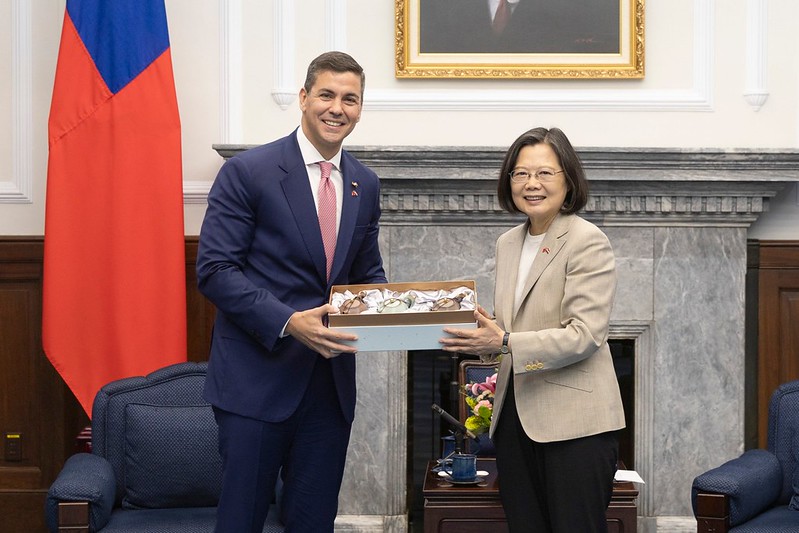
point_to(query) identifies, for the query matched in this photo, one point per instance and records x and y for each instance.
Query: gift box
(408, 330)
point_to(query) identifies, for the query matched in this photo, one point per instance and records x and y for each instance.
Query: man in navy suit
(281, 383)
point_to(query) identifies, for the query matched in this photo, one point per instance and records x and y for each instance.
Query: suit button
(528, 367)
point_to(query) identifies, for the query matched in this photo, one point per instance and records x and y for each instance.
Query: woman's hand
(485, 340)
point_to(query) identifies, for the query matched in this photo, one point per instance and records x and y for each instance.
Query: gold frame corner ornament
(410, 62)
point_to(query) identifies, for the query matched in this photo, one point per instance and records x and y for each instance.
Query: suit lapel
(553, 241)
(508, 270)
(350, 204)
(300, 199)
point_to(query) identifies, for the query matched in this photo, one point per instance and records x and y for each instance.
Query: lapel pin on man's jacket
(354, 186)
(545, 250)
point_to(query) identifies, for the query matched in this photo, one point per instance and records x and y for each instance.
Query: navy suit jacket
(261, 258)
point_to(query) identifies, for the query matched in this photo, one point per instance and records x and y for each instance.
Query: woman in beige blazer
(557, 406)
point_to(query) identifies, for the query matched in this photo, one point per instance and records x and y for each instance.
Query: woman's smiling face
(541, 202)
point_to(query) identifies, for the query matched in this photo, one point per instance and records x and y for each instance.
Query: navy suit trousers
(308, 451)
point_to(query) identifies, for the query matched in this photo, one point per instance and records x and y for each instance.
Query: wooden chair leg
(73, 517)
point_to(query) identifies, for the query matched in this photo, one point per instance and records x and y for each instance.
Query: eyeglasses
(544, 175)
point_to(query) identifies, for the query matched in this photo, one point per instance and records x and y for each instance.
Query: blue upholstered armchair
(154, 466)
(476, 371)
(757, 492)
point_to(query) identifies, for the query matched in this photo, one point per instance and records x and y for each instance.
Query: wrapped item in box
(402, 316)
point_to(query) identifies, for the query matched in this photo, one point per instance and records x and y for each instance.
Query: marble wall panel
(366, 487)
(687, 281)
(431, 253)
(633, 248)
(699, 366)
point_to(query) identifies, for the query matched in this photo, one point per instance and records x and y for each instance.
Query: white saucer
(480, 473)
(474, 481)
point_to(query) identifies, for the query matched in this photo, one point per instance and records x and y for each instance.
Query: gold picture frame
(441, 39)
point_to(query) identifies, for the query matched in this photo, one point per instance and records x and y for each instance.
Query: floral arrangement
(480, 399)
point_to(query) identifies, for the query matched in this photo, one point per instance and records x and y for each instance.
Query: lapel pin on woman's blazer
(545, 250)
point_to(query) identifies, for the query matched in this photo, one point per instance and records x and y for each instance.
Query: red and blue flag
(114, 294)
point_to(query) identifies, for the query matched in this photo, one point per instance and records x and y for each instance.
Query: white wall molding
(231, 88)
(196, 191)
(336, 25)
(694, 99)
(284, 91)
(19, 189)
(755, 92)
(230, 71)
(697, 98)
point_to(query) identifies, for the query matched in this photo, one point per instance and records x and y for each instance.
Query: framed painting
(519, 38)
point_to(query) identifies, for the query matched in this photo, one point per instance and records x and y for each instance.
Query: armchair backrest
(783, 433)
(473, 371)
(160, 437)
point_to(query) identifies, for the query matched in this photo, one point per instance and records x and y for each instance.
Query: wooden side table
(477, 508)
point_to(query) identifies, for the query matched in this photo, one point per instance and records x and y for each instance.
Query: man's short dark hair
(333, 62)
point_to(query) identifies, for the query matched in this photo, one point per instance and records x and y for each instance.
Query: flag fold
(114, 293)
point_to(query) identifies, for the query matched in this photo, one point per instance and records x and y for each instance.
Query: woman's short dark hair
(333, 62)
(576, 184)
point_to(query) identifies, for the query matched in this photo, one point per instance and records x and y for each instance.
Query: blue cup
(463, 468)
(447, 447)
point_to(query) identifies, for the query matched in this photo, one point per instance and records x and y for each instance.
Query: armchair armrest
(737, 490)
(88, 478)
(712, 512)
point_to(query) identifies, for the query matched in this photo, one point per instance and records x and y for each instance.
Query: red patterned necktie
(501, 17)
(327, 213)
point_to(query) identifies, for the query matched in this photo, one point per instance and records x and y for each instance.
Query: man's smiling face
(331, 109)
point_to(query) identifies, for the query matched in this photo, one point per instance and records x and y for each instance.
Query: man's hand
(308, 328)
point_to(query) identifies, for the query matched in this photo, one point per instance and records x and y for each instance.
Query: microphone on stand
(453, 421)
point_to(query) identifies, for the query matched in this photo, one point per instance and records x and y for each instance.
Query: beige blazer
(564, 381)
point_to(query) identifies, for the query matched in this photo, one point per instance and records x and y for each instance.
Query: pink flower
(490, 385)
(480, 399)
(482, 403)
